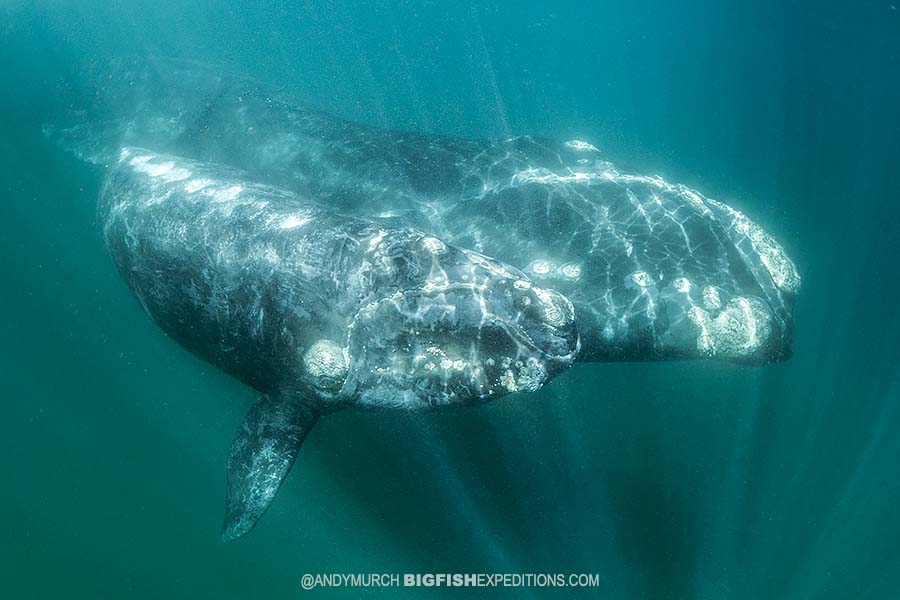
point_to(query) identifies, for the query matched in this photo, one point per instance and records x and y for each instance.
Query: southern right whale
(655, 270)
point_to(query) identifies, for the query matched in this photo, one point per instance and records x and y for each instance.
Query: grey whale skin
(655, 270)
(317, 311)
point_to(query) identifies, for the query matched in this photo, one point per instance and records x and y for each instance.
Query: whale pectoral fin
(261, 455)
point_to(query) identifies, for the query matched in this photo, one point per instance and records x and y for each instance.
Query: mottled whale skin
(317, 311)
(655, 270)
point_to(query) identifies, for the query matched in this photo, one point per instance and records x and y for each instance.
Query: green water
(680, 480)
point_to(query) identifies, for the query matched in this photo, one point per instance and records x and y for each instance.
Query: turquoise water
(678, 480)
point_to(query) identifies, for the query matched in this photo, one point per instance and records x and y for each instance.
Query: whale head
(445, 326)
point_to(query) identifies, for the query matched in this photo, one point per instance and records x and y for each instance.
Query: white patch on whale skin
(376, 239)
(557, 309)
(711, 299)
(326, 363)
(571, 271)
(782, 270)
(166, 171)
(195, 185)
(540, 267)
(742, 327)
(437, 282)
(293, 221)
(532, 376)
(682, 284)
(228, 194)
(642, 279)
(508, 381)
(528, 377)
(434, 245)
(581, 146)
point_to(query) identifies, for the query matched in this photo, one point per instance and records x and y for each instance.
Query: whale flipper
(263, 450)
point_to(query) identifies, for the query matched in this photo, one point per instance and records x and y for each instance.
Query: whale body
(333, 265)
(655, 270)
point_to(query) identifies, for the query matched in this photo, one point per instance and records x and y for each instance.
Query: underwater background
(670, 480)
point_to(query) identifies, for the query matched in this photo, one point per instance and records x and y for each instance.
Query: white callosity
(556, 308)
(711, 299)
(642, 279)
(293, 221)
(581, 146)
(434, 245)
(326, 364)
(739, 330)
(682, 284)
(522, 284)
(532, 376)
(570, 271)
(519, 376)
(541, 267)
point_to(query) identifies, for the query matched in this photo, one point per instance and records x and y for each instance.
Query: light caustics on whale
(317, 311)
(344, 266)
(655, 270)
